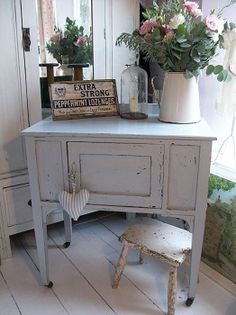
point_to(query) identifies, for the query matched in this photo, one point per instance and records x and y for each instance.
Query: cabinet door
(13, 95)
(183, 176)
(119, 174)
(19, 88)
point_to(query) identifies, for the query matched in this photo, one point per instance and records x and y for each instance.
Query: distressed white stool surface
(159, 239)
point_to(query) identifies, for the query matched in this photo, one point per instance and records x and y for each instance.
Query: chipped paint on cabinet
(130, 166)
(123, 174)
(50, 169)
(183, 172)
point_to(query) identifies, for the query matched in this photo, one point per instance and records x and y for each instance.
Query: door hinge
(26, 38)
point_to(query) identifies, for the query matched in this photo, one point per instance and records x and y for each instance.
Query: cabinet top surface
(118, 127)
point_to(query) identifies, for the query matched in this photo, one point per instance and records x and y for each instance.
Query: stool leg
(172, 286)
(120, 266)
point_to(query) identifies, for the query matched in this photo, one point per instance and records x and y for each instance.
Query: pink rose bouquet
(71, 43)
(177, 36)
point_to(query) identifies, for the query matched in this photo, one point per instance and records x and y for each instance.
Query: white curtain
(46, 16)
(226, 101)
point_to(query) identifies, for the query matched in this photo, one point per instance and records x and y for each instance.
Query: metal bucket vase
(180, 99)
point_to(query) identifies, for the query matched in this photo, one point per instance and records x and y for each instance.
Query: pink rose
(81, 41)
(147, 26)
(196, 12)
(147, 37)
(167, 28)
(56, 37)
(213, 23)
(192, 7)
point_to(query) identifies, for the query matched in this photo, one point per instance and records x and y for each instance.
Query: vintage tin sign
(79, 99)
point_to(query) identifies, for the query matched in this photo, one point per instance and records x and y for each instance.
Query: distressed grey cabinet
(130, 166)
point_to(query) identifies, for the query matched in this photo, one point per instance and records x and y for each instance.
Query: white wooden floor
(82, 276)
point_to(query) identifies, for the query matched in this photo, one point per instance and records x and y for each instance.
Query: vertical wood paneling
(50, 170)
(183, 172)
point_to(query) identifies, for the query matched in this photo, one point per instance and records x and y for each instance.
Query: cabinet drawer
(119, 174)
(16, 200)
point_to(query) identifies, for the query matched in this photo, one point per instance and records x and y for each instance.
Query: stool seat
(158, 239)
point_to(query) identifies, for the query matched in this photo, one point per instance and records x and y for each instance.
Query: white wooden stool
(157, 239)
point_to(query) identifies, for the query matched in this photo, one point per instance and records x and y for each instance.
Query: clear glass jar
(134, 92)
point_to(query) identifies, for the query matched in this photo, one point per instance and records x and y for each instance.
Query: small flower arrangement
(71, 44)
(175, 35)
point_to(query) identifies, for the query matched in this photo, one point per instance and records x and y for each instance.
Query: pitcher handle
(156, 92)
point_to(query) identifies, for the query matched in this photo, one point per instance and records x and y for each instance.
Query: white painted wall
(110, 19)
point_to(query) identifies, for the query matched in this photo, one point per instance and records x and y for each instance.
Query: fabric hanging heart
(73, 203)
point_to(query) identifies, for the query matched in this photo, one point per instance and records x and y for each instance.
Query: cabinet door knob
(30, 203)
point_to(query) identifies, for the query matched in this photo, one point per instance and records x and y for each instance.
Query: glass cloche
(134, 92)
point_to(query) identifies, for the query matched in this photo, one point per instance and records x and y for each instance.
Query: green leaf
(221, 38)
(188, 74)
(218, 69)
(181, 29)
(181, 39)
(176, 48)
(176, 55)
(210, 69)
(170, 63)
(232, 25)
(196, 72)
(220, 77)
(201, 49)
(227, 76)
(196, 59)
(185, 45)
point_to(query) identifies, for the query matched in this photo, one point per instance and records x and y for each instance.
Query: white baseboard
(218, 278)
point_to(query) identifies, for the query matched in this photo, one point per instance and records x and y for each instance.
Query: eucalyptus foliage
(174, 35)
